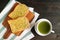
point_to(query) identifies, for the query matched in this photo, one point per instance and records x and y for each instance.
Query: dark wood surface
(3, 3)
(49, 9)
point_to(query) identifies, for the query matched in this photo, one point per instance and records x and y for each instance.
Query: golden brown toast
(19, 11)
(19, 24)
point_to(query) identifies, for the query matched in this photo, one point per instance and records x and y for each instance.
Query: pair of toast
(17, 20)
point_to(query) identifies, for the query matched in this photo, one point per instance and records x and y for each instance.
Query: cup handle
(53, 31)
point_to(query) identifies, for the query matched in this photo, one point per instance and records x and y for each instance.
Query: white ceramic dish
(36, 27)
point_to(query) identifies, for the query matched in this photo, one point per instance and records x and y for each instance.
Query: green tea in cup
(43, 27)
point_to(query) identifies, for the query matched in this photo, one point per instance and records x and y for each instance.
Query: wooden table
(47, 9)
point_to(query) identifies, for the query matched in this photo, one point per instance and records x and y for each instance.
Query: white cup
(36, 27)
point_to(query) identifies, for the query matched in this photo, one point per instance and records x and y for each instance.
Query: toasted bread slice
(19, 11)
(18, 25)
